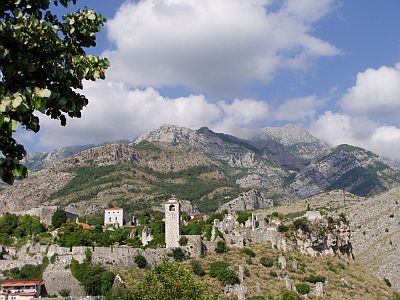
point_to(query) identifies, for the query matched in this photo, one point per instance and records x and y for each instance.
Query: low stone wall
(10, 264)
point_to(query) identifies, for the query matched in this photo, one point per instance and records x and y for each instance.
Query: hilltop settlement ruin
(311, 234)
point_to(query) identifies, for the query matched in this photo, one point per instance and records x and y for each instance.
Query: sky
(330, 66)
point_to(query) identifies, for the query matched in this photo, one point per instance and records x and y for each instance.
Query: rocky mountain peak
(170, 134)
(289, 135)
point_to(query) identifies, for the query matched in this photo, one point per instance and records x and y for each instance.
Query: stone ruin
(327, 237)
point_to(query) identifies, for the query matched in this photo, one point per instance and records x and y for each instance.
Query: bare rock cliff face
(376, 237)
(345, 167)
(247, 201)
(329, 239)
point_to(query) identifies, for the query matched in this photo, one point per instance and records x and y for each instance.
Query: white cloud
(213, 46)
(341, 128)
(298, 109)
(310, 10)
(117, 112)
(376, 94)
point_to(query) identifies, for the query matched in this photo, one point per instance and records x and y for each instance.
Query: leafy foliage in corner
(43, 63)
(169, 281)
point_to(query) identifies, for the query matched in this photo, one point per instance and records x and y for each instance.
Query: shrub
(301, 223)
(243, 216)
(168, 281)
(64, 293)
(289, 295)
(94, 278)
(197, 268)
(53, 258)
(282, 228)
(140, 261)
(222, 271)
(302, 288)
(248, 252)
(275, 215)
(273, 274)
(59, 217)
(266, 262)
(177, 254)
(120, 293)
(183, 241)
(256, 298)
(315, 278)
(388, 283)
(221, 247)
(28, 272)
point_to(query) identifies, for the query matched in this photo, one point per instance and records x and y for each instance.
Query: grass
(361, 284)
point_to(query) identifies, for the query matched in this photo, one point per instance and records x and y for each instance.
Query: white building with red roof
(115, 216)
(20, 289)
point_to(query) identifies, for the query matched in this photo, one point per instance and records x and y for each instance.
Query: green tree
(169, 281)
(223, 272)
(221, 247)
(94, 278)
(140, 261)
(71, 234)
(43, 63)
(59, 217)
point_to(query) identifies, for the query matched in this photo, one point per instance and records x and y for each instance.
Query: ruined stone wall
(57, 275)
(194, 247)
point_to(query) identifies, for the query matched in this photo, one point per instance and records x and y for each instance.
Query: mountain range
(201, 166)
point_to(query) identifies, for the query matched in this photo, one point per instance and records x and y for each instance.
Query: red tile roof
(85, 226)
(20, 282)
(114, 208)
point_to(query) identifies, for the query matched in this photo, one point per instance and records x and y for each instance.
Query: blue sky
(330, 66)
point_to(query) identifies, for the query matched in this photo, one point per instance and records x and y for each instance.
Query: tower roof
(173, 200)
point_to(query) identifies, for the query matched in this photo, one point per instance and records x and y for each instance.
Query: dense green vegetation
(18, 228)
(222, 271)
(71, 234)
(28, 272)
(59, 217)
(243, 216)
(147, 146)
(266, 262)
(169, 281)
(90, 179)
(194, 186)
(140, 261)
(302, 288)
(94, 278)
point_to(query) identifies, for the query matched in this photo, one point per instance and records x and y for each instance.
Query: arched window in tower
(172, 208)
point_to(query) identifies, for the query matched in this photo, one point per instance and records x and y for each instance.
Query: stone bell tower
(172, 223)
